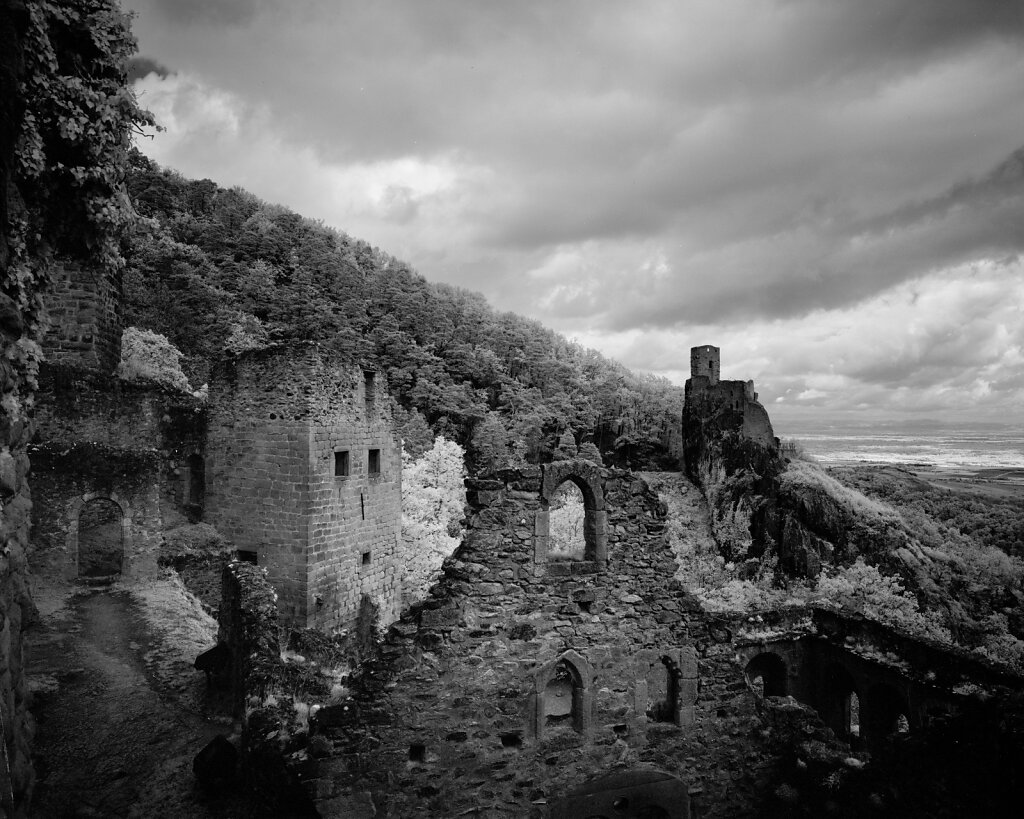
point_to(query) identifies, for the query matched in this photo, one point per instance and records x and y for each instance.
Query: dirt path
(120, 714)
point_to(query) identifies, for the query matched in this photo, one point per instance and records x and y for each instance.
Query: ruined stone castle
(293, 458)
(526, 684)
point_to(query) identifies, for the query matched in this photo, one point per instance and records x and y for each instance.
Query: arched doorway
(766, 675)
(100, 538)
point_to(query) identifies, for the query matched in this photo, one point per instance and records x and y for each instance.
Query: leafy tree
(207, 264)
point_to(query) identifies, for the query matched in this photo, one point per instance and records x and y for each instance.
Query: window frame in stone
(342, 463)
(373, 462)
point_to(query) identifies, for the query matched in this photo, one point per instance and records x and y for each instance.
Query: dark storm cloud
(1004, 183)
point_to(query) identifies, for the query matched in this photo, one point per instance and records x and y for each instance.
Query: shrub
(879, 597)
(149, 356)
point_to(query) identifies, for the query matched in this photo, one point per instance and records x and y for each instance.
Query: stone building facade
(304, 472)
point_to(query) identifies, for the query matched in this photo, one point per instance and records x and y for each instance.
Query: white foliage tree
(149, 356)
(433, 498)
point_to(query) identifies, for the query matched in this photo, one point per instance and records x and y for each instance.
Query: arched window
(565, 524)
(559, 697)
(851, 713)
(100, 538)
(842, 705)
(559, 526)
(766, 675)
(562, 690)
(663, 691)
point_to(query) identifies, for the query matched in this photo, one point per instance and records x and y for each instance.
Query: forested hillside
(219, 271)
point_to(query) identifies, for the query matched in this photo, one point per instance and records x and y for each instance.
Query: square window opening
(247, 556)
(341, 464)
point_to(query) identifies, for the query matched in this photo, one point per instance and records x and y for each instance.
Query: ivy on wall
(70, 159)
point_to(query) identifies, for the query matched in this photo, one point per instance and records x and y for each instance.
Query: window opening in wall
(417, 752)
(341, 464)
(852, 713)
(370, 390)
(248, 557)
(561, 701)
(558, 697)
(565, 524)
(511, 740)
(362, 506)
(374, 462)
(902, 724)
(100, 538)
(663, 691)
(366, 559)
(196, 484)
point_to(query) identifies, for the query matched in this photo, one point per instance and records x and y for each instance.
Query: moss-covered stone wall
(522, 677)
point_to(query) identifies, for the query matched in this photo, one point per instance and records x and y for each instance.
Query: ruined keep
(717, 406)
(303, 471)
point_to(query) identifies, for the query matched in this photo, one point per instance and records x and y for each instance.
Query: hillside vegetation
(219, 271)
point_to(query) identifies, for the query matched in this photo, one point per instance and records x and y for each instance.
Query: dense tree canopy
(219, 271)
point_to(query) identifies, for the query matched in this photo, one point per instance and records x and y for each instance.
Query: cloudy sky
(831, 191)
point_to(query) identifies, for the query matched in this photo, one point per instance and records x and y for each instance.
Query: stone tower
(84, 311)
(705, 362)
(304, 472)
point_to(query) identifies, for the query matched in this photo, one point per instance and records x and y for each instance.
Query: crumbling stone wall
(101, 437)
(522, 677)
(84, 310)
(304, 468)
(66, 477)
(247, 620)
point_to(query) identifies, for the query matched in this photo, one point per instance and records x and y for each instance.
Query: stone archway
(766, 675)
(97, 538)
(100, 538)
(586, 476)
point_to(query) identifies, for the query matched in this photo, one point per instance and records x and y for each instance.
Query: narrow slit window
(341, 464)
(370, 390)
(374, 462)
